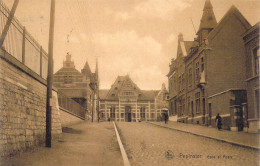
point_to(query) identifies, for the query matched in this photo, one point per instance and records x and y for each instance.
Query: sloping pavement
(243, 139)
(84, 144)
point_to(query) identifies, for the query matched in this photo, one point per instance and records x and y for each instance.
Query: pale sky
(135, 37)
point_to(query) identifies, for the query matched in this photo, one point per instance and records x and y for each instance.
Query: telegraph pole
(97, 90)
(50, 76)
(8, 22)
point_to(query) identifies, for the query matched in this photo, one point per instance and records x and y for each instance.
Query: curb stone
(206, 136)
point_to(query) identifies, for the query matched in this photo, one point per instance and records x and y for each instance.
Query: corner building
(214, 72)
(251, 109)
(124, 101)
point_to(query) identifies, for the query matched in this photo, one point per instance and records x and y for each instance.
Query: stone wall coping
(19, 65)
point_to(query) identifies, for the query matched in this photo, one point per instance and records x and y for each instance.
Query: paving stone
(187, 149)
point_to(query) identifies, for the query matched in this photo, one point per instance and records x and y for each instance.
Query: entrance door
(128, 116)
(210, 114)
(192, 112)
(129, 119)
(240, 119)
(203, 111)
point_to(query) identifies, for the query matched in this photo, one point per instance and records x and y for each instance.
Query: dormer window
(139, 94)
(116, 88)
(113, 94)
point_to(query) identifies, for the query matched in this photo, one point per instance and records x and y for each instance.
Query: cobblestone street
(147, 144)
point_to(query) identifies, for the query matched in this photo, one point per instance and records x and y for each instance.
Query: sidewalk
(84, 144)
(243, 139)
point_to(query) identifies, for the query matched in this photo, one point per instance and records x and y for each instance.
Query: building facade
(251, 110)
(214, 72)
(176, 76)
(124, 101)
(79, 86)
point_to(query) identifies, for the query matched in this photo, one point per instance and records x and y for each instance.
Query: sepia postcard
(129, 82)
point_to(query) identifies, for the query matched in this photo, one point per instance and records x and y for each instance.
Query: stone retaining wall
(22, 110)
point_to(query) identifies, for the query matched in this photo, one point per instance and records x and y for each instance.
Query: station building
(124, 101)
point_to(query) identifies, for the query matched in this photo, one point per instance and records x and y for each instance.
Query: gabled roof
(65, 70)
(232, 11)
(68, 67)
(208, 20)
(257, 25)
(118, 86)
(103, 93)
(188, 45)
(86, 69)
(125, 84)
(148, 94)
(183, 46)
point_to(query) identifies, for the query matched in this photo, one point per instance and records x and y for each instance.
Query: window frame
(254, 69)
(197, 102)
(190, 76)
(256, 103)
(197, 71)
(142, 112)
(112, 112)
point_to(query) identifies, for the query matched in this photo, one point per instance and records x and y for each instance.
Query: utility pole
(8, 22)
(92, 108)
(97, 90)
(50, 76)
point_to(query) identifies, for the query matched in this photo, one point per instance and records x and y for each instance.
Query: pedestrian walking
(219, 121)
(166, 117)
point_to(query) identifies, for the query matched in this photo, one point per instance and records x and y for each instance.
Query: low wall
(23, 107)
(68, 119)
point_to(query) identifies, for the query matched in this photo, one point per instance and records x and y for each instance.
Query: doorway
(192, 112)
(239, 119)
(128, 116)
(210, 114)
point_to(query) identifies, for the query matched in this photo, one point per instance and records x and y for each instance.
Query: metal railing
(21, 45)
(71, 106)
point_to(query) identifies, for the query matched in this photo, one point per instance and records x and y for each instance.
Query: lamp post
(50, 76)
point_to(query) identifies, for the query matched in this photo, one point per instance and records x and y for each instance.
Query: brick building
(177, 78)
(124, 101)
(251, 112)
(211, 76)
(80, 86)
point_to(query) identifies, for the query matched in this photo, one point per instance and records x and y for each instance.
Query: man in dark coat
(219, 121)
(166, 117)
